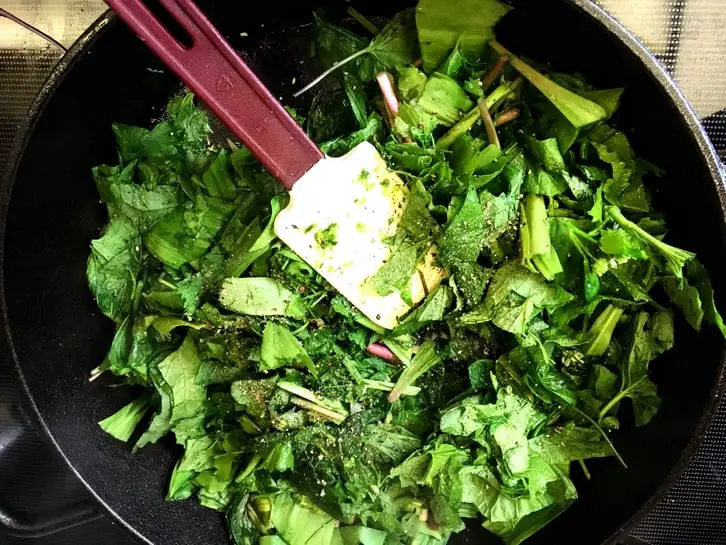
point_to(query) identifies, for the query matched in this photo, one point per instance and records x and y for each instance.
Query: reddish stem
(506, 117)
(389, 94)
(494, 72)
(381, 351)
(488, 123)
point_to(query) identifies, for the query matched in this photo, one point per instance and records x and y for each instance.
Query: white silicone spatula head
(341, 214)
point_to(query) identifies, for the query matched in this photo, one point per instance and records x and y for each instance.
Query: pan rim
(649, 63)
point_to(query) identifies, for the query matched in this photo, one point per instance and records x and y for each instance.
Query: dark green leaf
(431, 310)
(254, 395)
(651, 335)
(471, 24)
(357, 98)
(334, 44)
(667, 258)
(426, 358)
(243, 530)
(396, 44)
(480, 374)
(218, 178)
(260, 297)
(445, 99)
(515, 297)
(694, 297)
(190, 290)
(113, 266)
(343, 144)
(122, 424)
(281, 348)
(142, 206)
(578, 110)
(602, 330)
(411, 82)
(461, 245)
(187, 234)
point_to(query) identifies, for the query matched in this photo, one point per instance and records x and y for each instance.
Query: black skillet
(55, 334)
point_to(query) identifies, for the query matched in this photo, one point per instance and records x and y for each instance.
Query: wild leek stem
(506, 117)
(363, 20)
(602, 432)
(251, 466)
(469, 120)
(390, 100)
(488, 124)
(610, 404)
(382, 352)
(327, 413)
(494, 72)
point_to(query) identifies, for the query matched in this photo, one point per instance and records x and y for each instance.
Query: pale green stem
(330, 70)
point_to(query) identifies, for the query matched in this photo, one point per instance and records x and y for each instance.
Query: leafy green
(443, 98)
(515, 415)
(625, 188)
(431, 310)
(281, 348)
(113, 268)
(414, 236)
(122, 424)
(461, 245)
(536, 468)
(178, 144)
(651, 336)
(187, 234)
(579, 111)
(440, 28)
(667, 258)
(218, 179)
(254, 395)
(183, 401)
(141, 205)
(694, 297)
(535, 237)
(190, 291)
(515, 297)
(395, 45)
(425, 359)
(242, 255)
(300, 522)
(602, 330)
(621, 243)
(260, 297)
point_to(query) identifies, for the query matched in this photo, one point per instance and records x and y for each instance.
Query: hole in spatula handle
(172, 26)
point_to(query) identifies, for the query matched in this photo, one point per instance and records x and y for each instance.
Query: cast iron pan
(51, 212)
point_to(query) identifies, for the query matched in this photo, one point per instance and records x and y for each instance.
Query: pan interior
(58, 334)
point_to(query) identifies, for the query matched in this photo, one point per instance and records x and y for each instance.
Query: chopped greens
(302, 420)
(327, 238)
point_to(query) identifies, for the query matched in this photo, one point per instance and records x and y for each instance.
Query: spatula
(342, 210)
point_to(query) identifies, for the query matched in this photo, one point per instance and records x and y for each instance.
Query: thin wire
(15, 19)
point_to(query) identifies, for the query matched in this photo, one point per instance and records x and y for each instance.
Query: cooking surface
(689, 37)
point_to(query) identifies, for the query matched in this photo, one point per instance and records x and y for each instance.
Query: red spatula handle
(219, 77)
